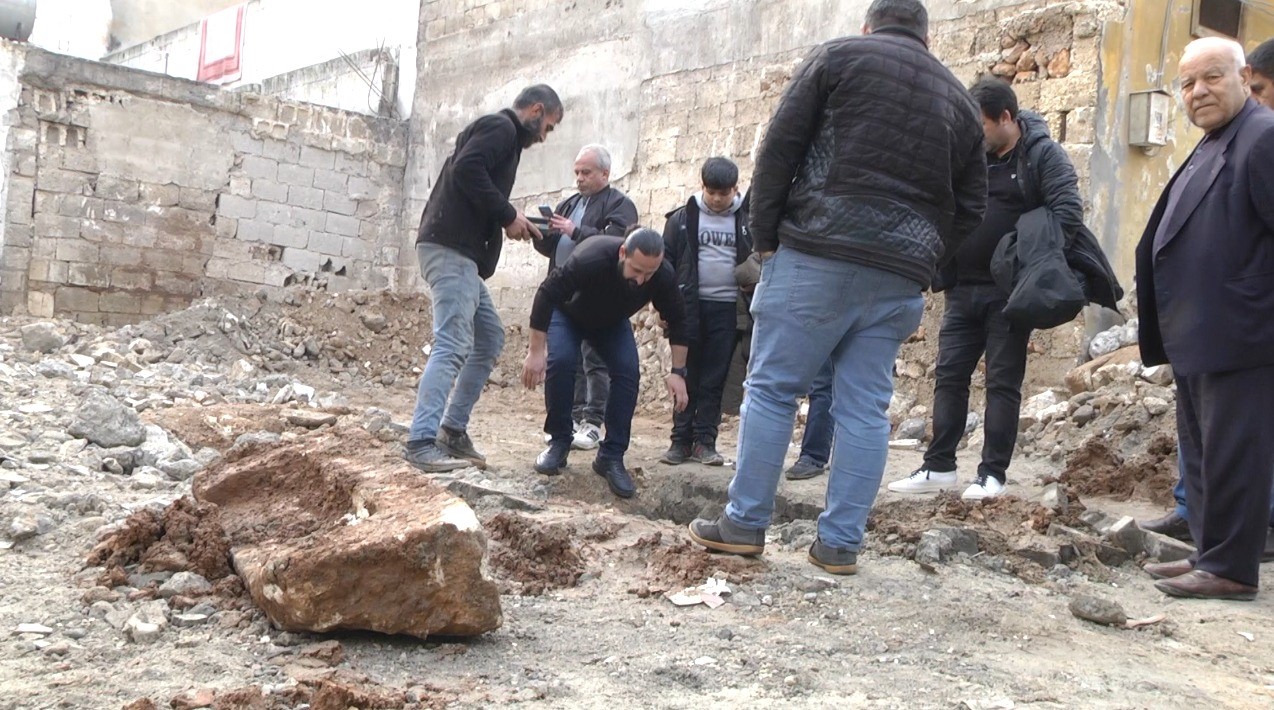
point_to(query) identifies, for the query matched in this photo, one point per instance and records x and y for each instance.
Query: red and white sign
(221, 45)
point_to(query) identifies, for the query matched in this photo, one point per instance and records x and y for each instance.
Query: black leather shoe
(552, 460)
(1172, 525)
(617, 477)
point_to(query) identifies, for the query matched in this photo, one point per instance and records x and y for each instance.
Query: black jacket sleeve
(786, 142)
(666, 297)
(491, 144)
(620, 214)
(553, 292)
(1059, 189)
(1260, 175)
(674, 236)
(969, 188)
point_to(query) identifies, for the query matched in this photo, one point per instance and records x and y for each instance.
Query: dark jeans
(816, 442)
(618, 350)
(974, 323)
(708, 363)
(592, 387)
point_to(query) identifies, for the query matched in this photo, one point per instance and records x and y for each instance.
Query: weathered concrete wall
(363, 82)
(667, 84)
(283, 36)
(130, 193)
(137, 21)
(1139, 52)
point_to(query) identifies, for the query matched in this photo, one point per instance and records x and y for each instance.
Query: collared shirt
(566, 244)
(1201, 161)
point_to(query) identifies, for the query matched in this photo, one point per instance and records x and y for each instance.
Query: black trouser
(1223, 428)
(708, 363)
(974, 323)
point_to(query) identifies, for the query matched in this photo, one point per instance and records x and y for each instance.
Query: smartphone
(546, 211)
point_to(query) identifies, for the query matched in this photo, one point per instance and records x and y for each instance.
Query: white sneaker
(548, 438)
(586, 437)
(983, 488)
(922, 480)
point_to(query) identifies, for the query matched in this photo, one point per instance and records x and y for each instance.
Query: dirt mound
(328, 690)
(677, 565)
(218, 425)
(187, 536)
(535, 556)
(1097, 469)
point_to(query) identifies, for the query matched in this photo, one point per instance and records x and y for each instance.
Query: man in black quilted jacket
(872, 172)
(1026, 169)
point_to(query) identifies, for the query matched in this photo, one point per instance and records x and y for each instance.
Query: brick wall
(131, 193)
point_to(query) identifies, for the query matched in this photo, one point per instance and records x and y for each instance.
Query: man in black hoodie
(458, 247)
(706, 240)
(1026, 169)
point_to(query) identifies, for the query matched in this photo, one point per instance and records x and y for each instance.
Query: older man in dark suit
(1205, 291)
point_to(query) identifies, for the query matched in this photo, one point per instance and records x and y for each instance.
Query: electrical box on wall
(1148, 118)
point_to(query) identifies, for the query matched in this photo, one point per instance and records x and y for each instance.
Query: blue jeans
(1179, 493)
(809, 310)
(816, 442)
(468, 338)
(618, 349)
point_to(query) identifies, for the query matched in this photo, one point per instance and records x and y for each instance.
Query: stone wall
(363, 82)
(666, 85)
(131, 193)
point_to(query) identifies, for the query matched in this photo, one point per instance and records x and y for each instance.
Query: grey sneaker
(457, 444)
(707, 455)
(426, 456)
(835, 560)
(676, 454)
(723, 535)
(804, 468)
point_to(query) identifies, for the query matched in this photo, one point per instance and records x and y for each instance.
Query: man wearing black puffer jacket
(1026, 169)
(872, 172)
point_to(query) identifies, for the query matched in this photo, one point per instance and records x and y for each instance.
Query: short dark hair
(539, 94)
(719, 173)
(645, 240)
(1261, 59)
(908, 14)
(994, 97)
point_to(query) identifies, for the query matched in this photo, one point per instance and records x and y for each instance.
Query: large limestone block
(327, 537)
(1080, 379)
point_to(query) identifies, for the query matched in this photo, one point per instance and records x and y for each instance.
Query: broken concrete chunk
(310, 420)
(324, 541)
(1098, 610)
(105, 421)
(42, 337)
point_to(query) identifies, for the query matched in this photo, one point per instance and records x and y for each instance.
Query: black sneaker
(804, 468)
(678, 453)
(707, 455)
(426, 456)
(835, 560)
(723, 535)
(617, 477)
(457, 444)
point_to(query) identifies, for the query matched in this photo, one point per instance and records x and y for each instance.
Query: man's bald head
(1214, 77)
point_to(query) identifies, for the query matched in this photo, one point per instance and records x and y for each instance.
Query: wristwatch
(681, 372)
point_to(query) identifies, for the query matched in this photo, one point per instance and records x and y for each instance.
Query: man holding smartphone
(458, 247)
(597, 208)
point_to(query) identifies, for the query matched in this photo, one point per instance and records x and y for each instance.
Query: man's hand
(677, 388)
(533, 369)
(765, 254)
(563, 225)
(521, 229)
